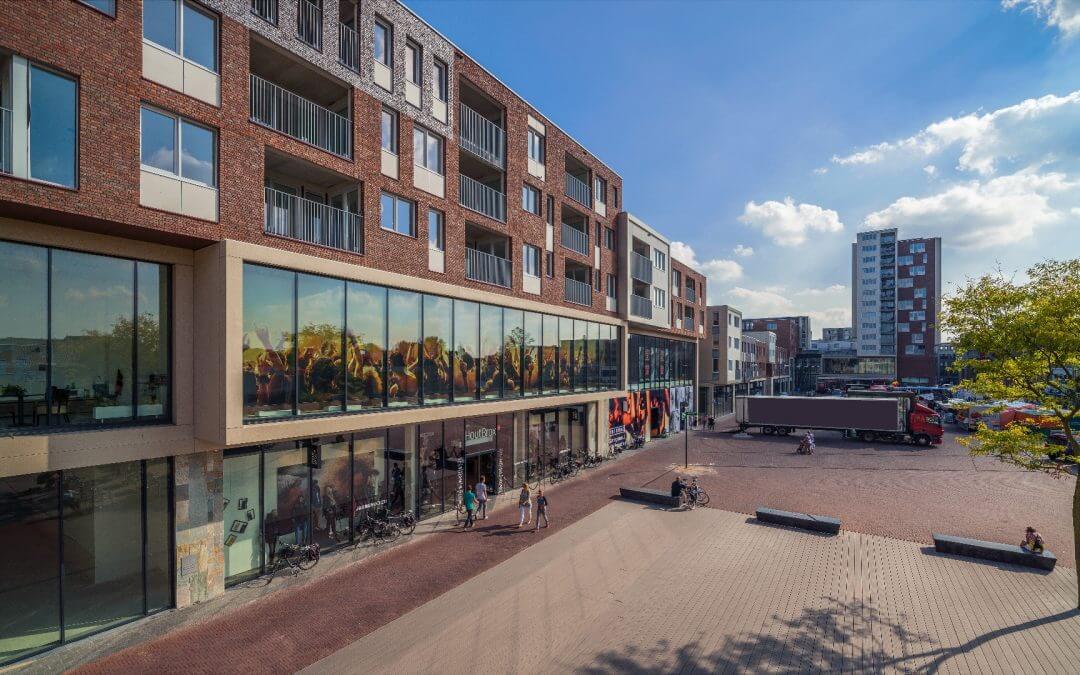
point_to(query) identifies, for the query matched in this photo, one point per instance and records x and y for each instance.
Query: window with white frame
(659, 297)
(918, 315)
(414, 62)
(530, 199)
(436, 228)
(536, 146)
(600, 190)
(427, 150)
(384, 43)
(390, 130)
(530, 260)
(659, 260)
(183, 28)
(176, 146)
(442, 81)
(397, 214)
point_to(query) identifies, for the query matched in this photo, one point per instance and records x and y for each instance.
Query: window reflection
(566, 350)
(513, 337)
(466, 353)
(593, 355)
(366, 345)
(269, 319)
(530, 362)
(490, 351)
(550, 365)
(581, 356)
(23, 339)
(438, 322)
(403, 365)
(321, 318)
(53, 133)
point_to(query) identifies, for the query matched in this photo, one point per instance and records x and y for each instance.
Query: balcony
(295, 116)
(578, 292)
(578, 190)
(490, 269)
(482, 137)
(640, 306)
(5, 140)
(641, 267)
(688, 324)
(348, 47)
(309, 23)
(691, 294)
(267, 10)
(478, 197)
(295, 217)
(575, 240)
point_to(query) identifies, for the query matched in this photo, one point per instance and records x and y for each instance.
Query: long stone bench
(804, 521)
(989, 550)
(662, 497)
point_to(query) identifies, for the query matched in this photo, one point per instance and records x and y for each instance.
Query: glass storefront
(655, 362)
(84, 340)
(87, 549)
(318, 345)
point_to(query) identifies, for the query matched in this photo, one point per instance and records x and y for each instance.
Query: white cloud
(930, 170)
(777, 301)
(717, 269)
(788, 223)
(821, 171)
(1028, 132)
(743, 251)
(978, 214)
(1061, 14)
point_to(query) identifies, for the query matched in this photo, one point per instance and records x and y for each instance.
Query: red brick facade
(681, 301)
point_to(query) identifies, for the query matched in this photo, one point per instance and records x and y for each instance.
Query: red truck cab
(923, 420)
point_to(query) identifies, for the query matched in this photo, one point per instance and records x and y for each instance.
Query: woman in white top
(481, 498)
(525, 505)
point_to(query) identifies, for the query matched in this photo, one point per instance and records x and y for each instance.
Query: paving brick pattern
(638, 589)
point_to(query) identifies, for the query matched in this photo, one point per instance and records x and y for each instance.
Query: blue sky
(787, 127)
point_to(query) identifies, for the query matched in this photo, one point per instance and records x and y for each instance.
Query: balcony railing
(298, 218)
(309, 23)
(687, 324)
(482, 137)
(578, 190)
(575, 240)
(578, 292)
(265, 10)
(640, 267)
(640, 306)
(5, 140)
(482, 199)
(490, 269)
(348, 47)
(295, 116)
(691, 294)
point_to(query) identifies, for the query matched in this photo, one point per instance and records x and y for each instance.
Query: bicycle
(298, 558)
(376, 527)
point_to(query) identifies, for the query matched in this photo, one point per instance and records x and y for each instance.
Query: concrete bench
(662, 497)
(804, 521)
(989, 550)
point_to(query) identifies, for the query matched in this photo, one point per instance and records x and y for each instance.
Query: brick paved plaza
(743, 591)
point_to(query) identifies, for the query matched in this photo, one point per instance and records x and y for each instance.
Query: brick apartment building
(265, 255)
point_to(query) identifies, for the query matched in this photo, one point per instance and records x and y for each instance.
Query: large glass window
(466, 350)
(384, 48)
(286, 495)
(593, 356)
(243, 541)
(438, 345)
(401, 486)
(513, 334)
(581, 355)
(321, 321)
(566, 354)
(427, 150)
(162, 133)
(530, 359)
(365, 346)
(491, 373)
(90, 545)
(369, 469)
(436, 230)
(398, 214)
(432, 470)
(269, 356)
(330, 494)
(549, 369)
(24, 274)
(403, 355)
(172, 23)
(53, 131)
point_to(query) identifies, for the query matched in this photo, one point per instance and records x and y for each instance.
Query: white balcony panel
(412, 94)
(530, 284)
(384, 77)
(439, 110)
(389, 164)
(159, 192)
(537, 169)
(549, 238)
(172, 71)
(199, 201)
(429, 181)
(436, 260)
(596, 256)
(600, 207)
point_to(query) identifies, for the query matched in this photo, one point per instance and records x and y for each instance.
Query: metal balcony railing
(491, 269)
(578, 292)
(309, 23)
(691, 294)
(298, 218)
(640, 267)
(640, 306)
(295, 116)
(578, 190)
(5, 140)
(482, 199)
(575, 240)
(348, 47)
(687, 324)
(482, 137)
(265, 9)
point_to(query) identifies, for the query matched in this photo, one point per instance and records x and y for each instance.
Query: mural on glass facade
(269, 330)
(531, 353)
(659, 362)
(513, 340)
(682, 401)
(438, 326)
(403, 357)
(630, 415)
(550, 366)
(321, 320)
(365, 346)
(659, 412)
(491, 372)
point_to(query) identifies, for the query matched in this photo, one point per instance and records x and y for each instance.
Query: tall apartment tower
(873, 292)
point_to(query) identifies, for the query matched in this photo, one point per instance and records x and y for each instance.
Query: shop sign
(617, 437)
(479, 435)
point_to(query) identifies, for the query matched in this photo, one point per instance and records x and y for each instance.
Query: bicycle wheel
(308, 559)
(391, 531)
(702, 497)
(408, 523)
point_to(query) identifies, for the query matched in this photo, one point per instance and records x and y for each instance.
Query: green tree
(1021, 340)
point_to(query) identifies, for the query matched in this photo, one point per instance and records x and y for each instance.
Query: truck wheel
(768, 431)
(867, 436)
(922, 440)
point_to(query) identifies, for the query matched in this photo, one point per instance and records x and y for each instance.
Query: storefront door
(480, 465)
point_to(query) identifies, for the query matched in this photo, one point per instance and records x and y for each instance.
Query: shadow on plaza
(848, 637)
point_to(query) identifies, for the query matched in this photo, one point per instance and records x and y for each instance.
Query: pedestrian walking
(541, 509)
(470, 507)
(524, 505)
(481, 499)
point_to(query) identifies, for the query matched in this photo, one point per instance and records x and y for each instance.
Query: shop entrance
(481, 464)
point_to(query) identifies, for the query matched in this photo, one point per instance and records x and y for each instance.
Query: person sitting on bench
(1033, 541)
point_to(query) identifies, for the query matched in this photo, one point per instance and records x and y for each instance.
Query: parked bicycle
(375, 525)
(298, 558)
